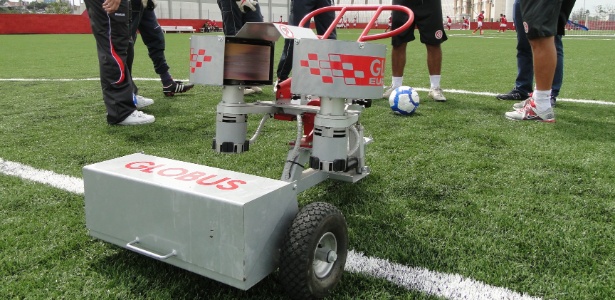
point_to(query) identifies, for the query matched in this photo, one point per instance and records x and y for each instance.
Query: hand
(251, 4)
(111, 6)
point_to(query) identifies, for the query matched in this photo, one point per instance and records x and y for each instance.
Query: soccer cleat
(176, 87)
(513, 95)
(529, 113)
(388, 92)
(275, 85)
(141, 102)
(437, 95)
(137, 118)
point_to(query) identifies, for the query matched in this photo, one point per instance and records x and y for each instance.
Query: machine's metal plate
(207, 59)
(338, 69)
(273, 31)
(224, 225)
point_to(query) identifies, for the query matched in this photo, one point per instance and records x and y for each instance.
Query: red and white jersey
(449, 21)
(503, 22)
(480, 17)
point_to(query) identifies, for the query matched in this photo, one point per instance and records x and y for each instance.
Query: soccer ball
(404, 100)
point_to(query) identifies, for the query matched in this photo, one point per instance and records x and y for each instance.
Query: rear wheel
(314, 252)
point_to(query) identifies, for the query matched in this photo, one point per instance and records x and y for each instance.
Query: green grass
(456, 188)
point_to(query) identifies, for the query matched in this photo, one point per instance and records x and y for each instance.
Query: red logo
(346, 69)
(439, 34)
(525, 27)
(286, 31)
(182, 174)
(197, 58)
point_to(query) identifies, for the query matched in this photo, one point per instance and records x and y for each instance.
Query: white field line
(451, 286)
(454, 91)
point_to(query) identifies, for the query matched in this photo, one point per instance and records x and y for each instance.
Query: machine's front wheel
(314, 252)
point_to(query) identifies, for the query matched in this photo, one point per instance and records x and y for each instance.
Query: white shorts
(480, 24)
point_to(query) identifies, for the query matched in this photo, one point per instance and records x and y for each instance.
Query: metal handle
(148, 253)
(370, 25)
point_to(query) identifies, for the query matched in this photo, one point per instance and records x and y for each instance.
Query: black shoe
(513, 95)
(553, 100)
(176, 87)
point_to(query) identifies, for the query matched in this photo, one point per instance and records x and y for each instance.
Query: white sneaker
(141, 101)
(388, 92)
(138, 118)
(248, 91)
(437, 95)
(257, 90)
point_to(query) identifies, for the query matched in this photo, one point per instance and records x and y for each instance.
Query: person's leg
(153, 38)
(540, 20)
(558, 78)
(112, 35)
(135, 19)
(525, 65)
(286, 61)
(434, 59)
(398, 60)
(324, 20)
(232, 17)
(297, 11)
(545, 61)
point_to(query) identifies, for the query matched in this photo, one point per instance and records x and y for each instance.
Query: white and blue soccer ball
(404, 100)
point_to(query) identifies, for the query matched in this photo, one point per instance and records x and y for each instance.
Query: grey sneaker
(388, 92)
(437, 95)
(141, 102)
(248, 91)
(520, 105)
(530, 113)
(138, 118)
(256, 89)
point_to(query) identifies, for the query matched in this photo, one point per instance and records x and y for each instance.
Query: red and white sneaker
(530, 113)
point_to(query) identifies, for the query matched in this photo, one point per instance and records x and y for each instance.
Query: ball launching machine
(238, 228)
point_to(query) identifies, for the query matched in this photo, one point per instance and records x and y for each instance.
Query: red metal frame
(370, 25)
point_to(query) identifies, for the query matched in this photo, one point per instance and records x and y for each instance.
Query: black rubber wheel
(314, 252)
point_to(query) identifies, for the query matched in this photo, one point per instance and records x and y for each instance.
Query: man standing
(298, 10)
(428, 19)
(109, 20)
(449, 22)
(479, 20)
(503, 23)
(525, 69)
(144, 20)
(542, 21)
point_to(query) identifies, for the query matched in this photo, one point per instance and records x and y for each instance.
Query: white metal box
(221, 224)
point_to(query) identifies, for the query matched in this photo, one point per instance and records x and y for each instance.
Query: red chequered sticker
(197, 58)
(357, 70)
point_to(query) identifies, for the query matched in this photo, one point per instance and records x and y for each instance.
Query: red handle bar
(363, 37)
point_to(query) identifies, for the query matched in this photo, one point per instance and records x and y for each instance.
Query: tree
(603, 11)
(59, 7)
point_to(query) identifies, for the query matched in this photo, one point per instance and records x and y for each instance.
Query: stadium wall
(62, 24)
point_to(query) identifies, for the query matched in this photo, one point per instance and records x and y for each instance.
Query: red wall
(48, 23)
